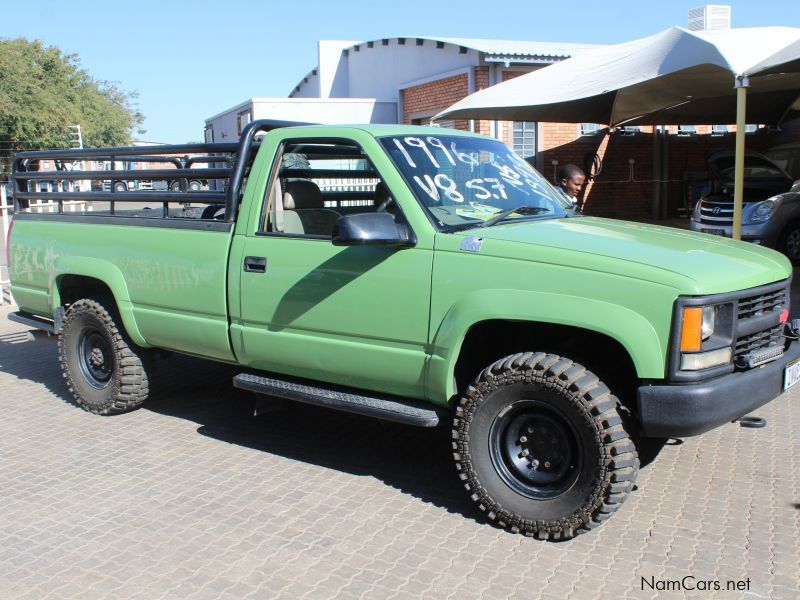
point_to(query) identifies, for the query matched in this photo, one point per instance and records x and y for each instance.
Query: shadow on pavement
(415, 461)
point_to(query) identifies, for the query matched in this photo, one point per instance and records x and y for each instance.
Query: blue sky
(192, 59)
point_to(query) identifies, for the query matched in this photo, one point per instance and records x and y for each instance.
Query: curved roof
(494, 49)
(518, 48)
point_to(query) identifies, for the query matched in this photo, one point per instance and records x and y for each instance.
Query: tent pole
(742, 83)
(655, 204)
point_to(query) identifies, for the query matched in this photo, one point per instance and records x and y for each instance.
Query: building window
(242, 119)
(687, 130)
(719, 130)
(523, 139)
(589, 128)
(750, 128)
(444, 124)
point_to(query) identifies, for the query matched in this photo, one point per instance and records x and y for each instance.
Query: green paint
(384, 319)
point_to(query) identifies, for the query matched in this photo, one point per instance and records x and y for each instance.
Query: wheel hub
(535, 451)
(95, 358)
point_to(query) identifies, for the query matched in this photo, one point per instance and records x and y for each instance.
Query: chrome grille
(716, 212)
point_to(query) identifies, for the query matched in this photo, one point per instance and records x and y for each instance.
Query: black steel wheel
(95, 357)
(106, 373)
(535, 450)
(540, 445)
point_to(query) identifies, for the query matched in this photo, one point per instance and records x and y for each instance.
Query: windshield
(464, 181)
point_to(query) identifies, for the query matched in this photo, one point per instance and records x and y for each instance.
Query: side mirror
(371, 229)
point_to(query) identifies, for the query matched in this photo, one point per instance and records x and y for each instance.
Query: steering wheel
(386, 204)
(213, 211)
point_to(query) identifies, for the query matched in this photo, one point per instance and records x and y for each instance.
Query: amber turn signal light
(691, 330)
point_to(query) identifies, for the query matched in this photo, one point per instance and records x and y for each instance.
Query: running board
(33, 321)
(388, 408)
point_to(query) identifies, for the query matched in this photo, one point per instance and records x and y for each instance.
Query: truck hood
(694, 263)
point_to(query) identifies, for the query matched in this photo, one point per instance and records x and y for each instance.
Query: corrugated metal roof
(517, 47)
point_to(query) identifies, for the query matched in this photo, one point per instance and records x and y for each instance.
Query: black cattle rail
(228, 165)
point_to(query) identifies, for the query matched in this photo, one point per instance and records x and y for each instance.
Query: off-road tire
(105, 372)
(553, 389)
(789, 242)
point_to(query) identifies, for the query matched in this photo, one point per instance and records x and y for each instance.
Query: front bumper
(765, 234)
(686, 410)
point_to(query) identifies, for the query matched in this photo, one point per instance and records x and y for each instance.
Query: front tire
(789, 242)
(104, 371)
(539, 443)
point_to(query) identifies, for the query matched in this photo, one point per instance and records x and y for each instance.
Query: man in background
(570, 181)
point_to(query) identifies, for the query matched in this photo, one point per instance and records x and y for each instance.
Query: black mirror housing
(371, 229)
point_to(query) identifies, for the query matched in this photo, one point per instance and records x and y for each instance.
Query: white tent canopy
(673, 77)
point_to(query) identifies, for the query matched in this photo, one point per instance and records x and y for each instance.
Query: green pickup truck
(418, 275)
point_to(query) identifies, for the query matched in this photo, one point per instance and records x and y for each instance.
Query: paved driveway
(193, 497)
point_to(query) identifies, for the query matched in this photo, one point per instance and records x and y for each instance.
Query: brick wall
(624, 190)
(434, 96)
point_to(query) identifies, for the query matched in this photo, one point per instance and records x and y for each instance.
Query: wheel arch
(780, 244)
(532, 317)
(80, 277)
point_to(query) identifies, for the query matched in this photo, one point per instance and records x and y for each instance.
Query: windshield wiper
(522, 209)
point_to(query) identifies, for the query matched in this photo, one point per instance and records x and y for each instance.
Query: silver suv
(771, 209)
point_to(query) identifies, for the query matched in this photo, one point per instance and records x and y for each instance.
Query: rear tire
(539, 443)
(104, 371)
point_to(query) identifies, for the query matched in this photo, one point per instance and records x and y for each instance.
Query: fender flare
(632, 330)
(105, 272)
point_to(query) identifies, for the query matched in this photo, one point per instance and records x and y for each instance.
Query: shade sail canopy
(673, 77)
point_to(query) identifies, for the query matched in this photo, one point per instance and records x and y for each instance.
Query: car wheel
(540, 445)
(789, 242)
(105, 372)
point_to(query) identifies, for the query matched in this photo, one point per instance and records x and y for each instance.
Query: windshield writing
(465, 181)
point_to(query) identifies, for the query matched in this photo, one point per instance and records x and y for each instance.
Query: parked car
(442, 283)
(770, 209)
(787, 157)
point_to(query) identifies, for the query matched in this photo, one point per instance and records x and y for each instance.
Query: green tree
(43, 91)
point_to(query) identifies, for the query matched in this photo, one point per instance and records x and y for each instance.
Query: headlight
(696, 211)
(707, 324)
(700, 347)
(763, 211)
(698, 326)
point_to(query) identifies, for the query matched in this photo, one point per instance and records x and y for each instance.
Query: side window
(318, 182)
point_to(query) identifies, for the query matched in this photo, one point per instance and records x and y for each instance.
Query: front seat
(304, 211)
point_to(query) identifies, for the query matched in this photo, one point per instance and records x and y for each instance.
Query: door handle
(255, 264)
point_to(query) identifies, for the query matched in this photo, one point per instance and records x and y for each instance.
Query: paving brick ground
(192, 497)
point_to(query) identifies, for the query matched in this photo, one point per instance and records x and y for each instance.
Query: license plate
(791, 374)
(714, 231)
